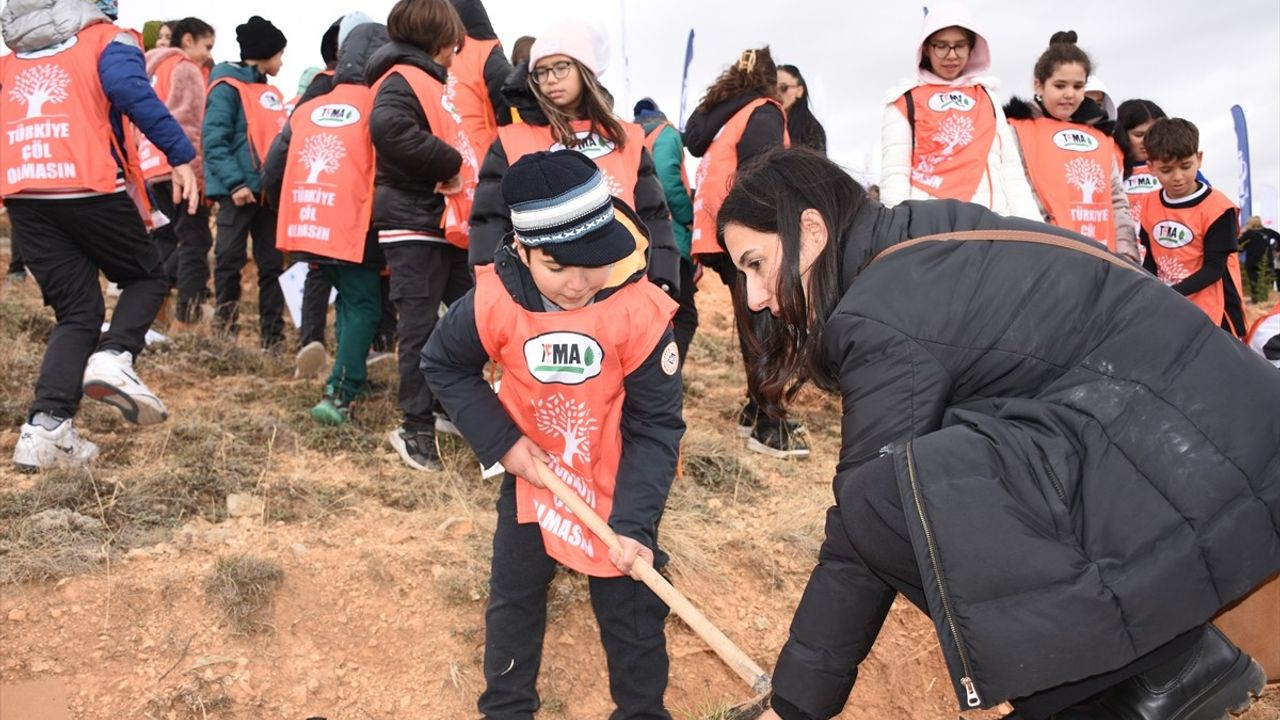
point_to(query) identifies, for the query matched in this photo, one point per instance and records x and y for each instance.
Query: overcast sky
(1194, 60)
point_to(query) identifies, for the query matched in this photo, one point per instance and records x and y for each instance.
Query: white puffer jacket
(30, 25)
(1004, 187)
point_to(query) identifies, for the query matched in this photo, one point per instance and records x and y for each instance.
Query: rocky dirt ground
(340, 584)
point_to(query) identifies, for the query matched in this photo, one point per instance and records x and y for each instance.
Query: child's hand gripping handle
(731, 654)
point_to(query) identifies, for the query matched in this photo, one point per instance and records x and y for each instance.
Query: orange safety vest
(469, 94)
(1139, 188)
(445, 123)
(264, 113)
(292, 103)
(715, 172)
(1070, 167)
(1177, 245)
(326, 199)
(153, 162)
(562, 384)
(652, 137)
(55, 118)
(952, 130)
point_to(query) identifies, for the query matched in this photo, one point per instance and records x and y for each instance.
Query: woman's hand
(520, 461)
(625, 560)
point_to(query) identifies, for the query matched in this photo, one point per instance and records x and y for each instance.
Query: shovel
(733, 656)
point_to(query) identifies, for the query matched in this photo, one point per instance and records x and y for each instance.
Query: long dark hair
(768, 195)
(753, 73)
(594, 105)
(802, 126)
(1130, 115)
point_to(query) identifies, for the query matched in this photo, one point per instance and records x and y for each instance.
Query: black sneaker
(747, 422)
(443, 423)
(417, 448)
(777, 439)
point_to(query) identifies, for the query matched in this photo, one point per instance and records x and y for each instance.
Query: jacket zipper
(971, 693)
(1053, 478)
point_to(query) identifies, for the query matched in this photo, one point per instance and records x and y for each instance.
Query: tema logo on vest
(1172, 234)
(567, 358)
(335, 115)
(954, 100)
(590, 144)
(1075, 140)
(271, 101)
(1141, 184)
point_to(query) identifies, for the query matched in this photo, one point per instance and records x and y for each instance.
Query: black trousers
(631, 622)
(16, 266)
(65, 244)
(423, 275)
(315, 309)
(685, 323)
(236, 225)
(868, 556)
(183, 246)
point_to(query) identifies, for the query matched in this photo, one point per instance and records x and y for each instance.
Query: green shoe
(331, 411)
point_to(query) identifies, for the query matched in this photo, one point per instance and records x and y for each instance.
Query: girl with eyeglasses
(944, 134)
(562, 104)
(1072, 165)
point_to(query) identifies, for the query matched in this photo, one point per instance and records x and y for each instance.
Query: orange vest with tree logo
(469, 94)
(264, 114)
(952, 130)
(153, 162)
(1177, 245)
(1070, 166)
(445, 124)
(716, 170)
(562, 384)
(55, 118)
(326, 199)
(1140, 187)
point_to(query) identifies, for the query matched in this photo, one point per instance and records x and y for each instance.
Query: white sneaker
(40, 449)
(109, 377)
(310, 360)
(380, 364)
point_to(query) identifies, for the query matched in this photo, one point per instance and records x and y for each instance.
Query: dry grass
(195, 697)
(243, 588)
(715, 462)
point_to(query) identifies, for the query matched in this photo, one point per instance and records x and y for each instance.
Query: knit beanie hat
(578, 40)
(560, 202)
(259, 39)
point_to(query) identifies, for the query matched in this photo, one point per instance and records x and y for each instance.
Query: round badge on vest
(954, 100)
(590, 144)
(1172, 234)
(567, 358)
(271, 101)
(335, 115)
(670, 358)
(1075, 140)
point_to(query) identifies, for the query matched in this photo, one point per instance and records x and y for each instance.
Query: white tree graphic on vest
(39, 85)
(1086, 175)
(1171, 270)
(572, 421)
(321, 154)
(955, 131)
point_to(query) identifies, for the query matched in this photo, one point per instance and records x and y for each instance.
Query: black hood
(397, 53)
(1089, 113)
(475, 18)
(704, 125)
(516, 92)
(353, 58)
(875, 227)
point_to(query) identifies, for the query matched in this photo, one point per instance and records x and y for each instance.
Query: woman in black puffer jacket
(1068, 488)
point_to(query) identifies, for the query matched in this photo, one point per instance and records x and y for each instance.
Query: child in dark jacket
(591, 388)
(417, 166)
(242, 116)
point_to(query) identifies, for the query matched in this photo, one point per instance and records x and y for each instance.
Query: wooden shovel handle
(731, 654)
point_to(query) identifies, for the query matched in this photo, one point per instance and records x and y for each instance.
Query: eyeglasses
(784, 87)
(941, 49)
(560, 70)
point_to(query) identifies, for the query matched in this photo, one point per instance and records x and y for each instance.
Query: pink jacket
(185, 100)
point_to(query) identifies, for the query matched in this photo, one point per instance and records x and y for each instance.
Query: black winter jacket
(491, 217)
(763, 132)
(453, 361)
(361, 44)
(1088, 466)
(410, 158)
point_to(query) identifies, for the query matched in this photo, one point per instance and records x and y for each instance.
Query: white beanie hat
(580, 41)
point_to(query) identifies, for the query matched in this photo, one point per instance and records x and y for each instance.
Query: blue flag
(684, 77)
(1242, 155)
